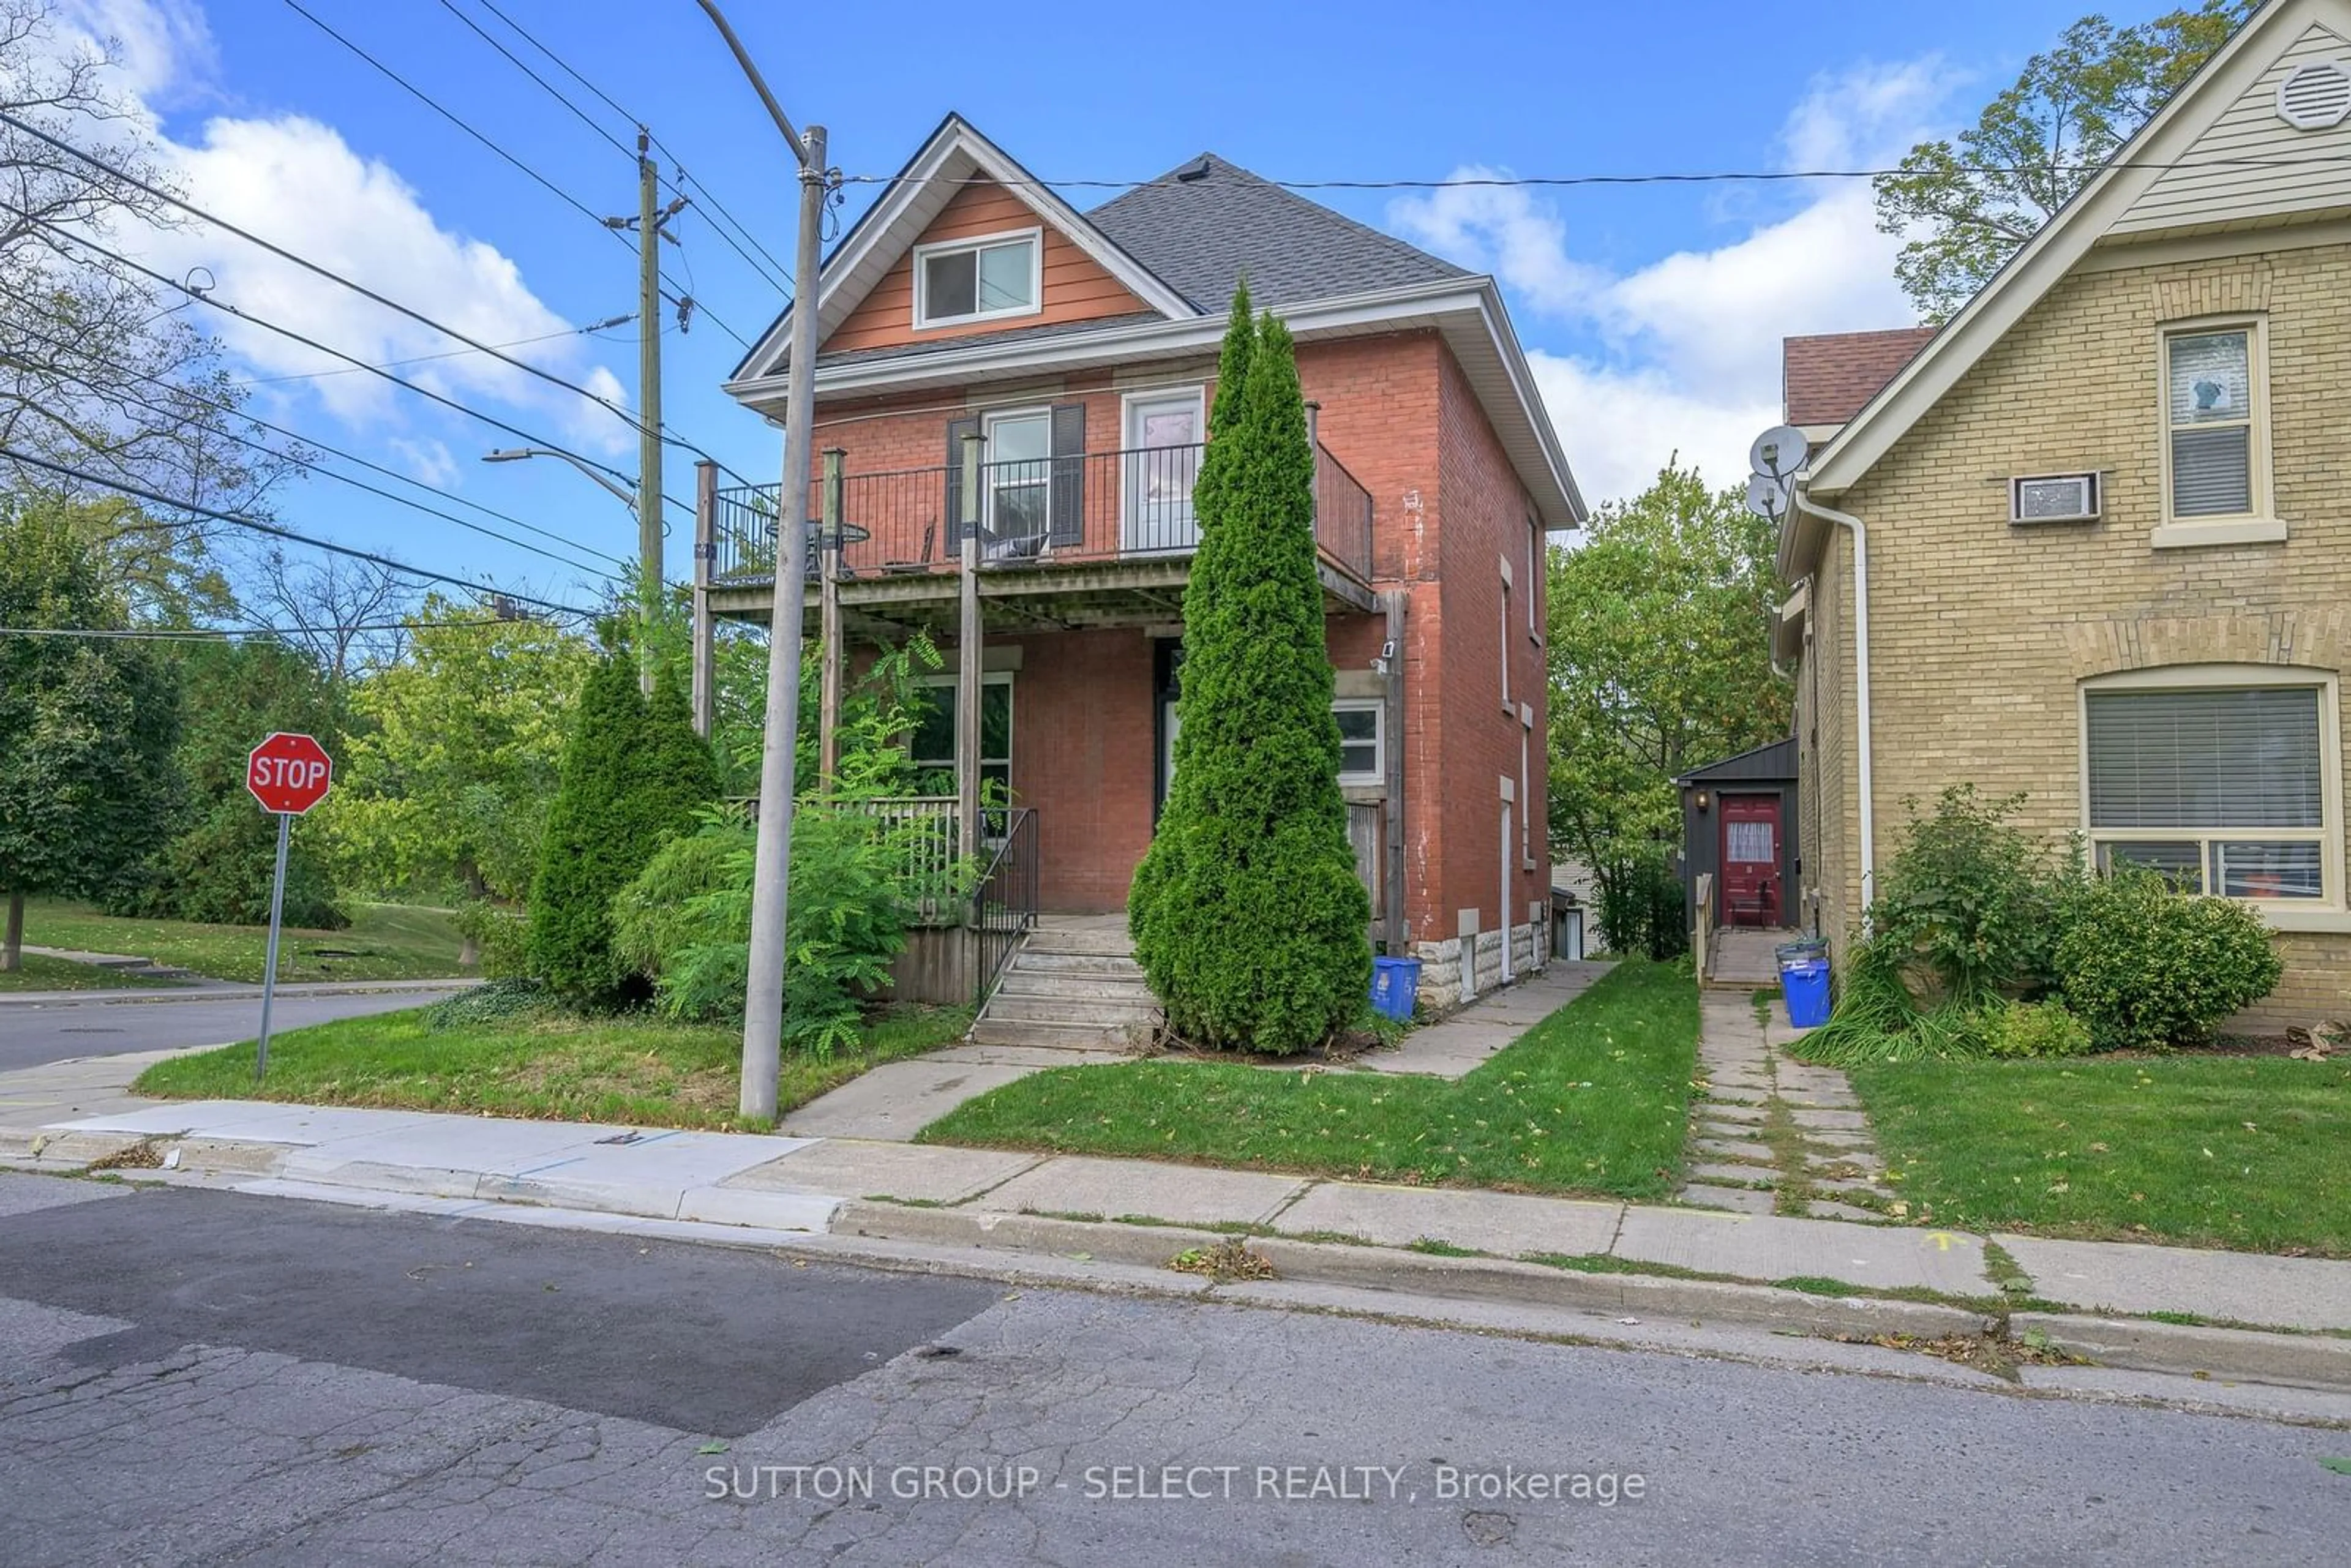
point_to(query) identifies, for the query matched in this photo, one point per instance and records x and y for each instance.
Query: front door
(1751, 860)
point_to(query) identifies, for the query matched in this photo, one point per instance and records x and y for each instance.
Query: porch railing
(1090, 508)
(1004, 906)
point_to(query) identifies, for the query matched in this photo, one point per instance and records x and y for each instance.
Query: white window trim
(991, 476)
(2260, 525)
(2326, 913)
(1128, 442)
(1377, 708)
(923, 321)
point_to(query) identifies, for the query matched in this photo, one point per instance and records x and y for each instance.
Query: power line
(574, 203)
(1478, 181)
(140, 492)
(363, 484)
(208, 298)
(321, 270)
(235, 411)
(774, 270)
(221, 634)
(592, 327)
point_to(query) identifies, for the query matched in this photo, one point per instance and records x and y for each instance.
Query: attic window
(2315, 96)
(978, 280)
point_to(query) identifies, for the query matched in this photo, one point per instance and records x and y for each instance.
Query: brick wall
(1981, 632)
(1397, 411)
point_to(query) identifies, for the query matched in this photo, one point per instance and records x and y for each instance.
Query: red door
(1751, 860)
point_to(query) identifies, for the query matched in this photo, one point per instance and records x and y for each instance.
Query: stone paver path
(1773, 1135)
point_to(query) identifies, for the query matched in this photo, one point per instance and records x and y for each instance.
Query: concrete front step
(1023, 982)
(1118, 1014)
(1111, 966)
(994, 1031)
(1098, 940)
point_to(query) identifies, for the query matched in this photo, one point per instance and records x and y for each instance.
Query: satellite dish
(1779, 452)
(1767, 496)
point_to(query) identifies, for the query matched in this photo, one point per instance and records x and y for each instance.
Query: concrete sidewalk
(1818, 1276)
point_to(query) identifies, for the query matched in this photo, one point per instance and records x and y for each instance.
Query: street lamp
(763, 1001)
(517, 454)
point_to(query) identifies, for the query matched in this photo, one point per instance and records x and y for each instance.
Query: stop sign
(288, 773)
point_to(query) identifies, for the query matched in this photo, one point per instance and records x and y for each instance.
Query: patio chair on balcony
(916, 568)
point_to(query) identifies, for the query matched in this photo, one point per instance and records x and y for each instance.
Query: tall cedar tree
(633, 774)
(223, 853)
(87, 724)
(1248, 917)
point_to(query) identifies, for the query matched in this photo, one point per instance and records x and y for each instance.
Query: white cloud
(1688, 357)
(294, 182)
(428, 461)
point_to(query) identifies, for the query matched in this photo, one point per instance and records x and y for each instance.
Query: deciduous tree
(1660, 662)
(87, 723)
(1963, 209)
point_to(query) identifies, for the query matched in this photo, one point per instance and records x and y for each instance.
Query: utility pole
(763, 1003)
(649, 408)
(649, 223)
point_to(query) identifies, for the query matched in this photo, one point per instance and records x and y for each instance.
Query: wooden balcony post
(829, 587)
(967, 664)
(705, 661)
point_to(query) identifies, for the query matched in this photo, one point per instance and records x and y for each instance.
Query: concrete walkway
(898, 1099)
(1464, 1039)
(1771, 1136)
(198, 989)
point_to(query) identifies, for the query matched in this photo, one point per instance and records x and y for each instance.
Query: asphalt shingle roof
(1200, 234)
(1826, 379)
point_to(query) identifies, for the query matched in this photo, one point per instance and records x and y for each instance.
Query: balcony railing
(1089, 509)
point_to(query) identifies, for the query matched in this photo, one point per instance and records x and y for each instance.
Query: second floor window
(977, 280)
(2213, 440)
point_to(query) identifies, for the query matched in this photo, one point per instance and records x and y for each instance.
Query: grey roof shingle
(1199, 236)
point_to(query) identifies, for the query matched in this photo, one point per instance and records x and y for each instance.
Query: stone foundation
(1440, 965)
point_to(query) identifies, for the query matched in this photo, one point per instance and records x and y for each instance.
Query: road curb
(1495, 1279)
(163, 996)
(2140, 1345)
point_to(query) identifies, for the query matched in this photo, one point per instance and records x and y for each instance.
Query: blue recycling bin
(1396, 986)
(1805, 985)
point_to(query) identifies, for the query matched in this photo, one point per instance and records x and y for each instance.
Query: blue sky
(1652, 313)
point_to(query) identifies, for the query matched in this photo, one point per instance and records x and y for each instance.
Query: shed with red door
(1739, 832)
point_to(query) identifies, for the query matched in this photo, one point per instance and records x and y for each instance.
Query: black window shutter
(1068, 511)
(957, 430)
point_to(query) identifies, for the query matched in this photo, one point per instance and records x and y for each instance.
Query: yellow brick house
(2092, 541)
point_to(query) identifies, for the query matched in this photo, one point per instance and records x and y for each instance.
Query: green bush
(1640, 906)
(1248, 920)
(1969, 907)
(2034, 1028)
(2143, 965)
(500, 938)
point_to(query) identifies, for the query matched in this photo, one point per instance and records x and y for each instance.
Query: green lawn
(2252, 1152)
(548, 1065)
(384, 942)
(41, 973)
(1592, 1100)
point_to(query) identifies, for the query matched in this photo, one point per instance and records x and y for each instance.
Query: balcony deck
(1105, 538)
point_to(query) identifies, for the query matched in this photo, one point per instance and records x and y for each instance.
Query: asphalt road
(204, 1377)
(30, 1036)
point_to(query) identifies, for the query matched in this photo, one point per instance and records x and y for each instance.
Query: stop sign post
(288, 774)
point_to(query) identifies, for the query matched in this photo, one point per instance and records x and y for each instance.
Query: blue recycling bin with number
(1396, 986)
(1805, 985)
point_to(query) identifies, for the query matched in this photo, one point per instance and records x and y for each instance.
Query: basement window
(980, 280)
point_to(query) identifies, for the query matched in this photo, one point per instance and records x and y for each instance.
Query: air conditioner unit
(2053, 499)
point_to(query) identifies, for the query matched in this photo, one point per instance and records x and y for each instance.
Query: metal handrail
(1004, 906)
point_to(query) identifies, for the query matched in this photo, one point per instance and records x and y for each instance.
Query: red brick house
(1011, 398)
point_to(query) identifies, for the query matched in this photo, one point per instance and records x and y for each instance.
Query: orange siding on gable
(1077, 288)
